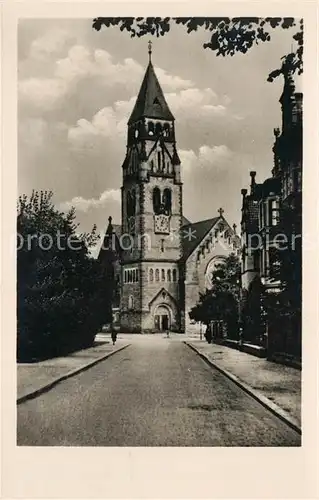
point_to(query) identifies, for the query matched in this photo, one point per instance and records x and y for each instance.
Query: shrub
(63, 294)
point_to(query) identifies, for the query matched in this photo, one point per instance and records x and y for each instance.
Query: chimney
(253, 182)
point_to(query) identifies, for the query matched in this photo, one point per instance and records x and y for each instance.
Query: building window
(159, 160)
(167, 201)
(260, 215)
(130, 302)
(162, 245)
(150, 128)
(131, 276)
(274, 262)
(169, 275)
(256, 260)
(273, 212)
(174, 275)
(151, 275)
(157, 275)
(156, 200)
(163, 274)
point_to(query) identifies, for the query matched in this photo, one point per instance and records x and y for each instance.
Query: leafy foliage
(63, 296)
(227, 35)
(221, 302)
(252, 313)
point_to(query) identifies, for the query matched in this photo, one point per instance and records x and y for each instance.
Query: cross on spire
(150, 50)
(221, 211)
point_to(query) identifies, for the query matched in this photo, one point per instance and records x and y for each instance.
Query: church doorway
(162, 319)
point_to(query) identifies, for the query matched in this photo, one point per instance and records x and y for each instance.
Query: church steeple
(150, 102)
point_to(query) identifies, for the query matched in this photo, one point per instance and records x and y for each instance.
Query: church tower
(151, 215)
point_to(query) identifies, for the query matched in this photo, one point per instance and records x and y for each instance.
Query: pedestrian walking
(113, 336)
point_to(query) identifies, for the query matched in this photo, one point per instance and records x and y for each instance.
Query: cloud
(112, 121)
(77, 89)
(108, 122)
(81, 64)
(52, 42)
(215, 157)
(195, 99)
(84, 205)
(43, 93)
(171, 81)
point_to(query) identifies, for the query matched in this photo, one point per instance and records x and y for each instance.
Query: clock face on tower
(161, 223)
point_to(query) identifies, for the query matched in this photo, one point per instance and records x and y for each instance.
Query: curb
(50, 385)
(263, 400)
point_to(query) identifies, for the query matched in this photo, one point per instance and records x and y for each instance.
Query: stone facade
(162, 261)
(271, 235)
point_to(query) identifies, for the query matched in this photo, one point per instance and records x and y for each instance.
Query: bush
(63, 294)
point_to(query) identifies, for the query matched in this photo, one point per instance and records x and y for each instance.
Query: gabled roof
(185, 221)
(150, 101)
(193, 233)
(159, 293)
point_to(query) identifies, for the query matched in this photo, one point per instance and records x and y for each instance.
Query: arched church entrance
(162, 318)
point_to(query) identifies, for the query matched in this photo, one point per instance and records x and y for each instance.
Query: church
(161, 260)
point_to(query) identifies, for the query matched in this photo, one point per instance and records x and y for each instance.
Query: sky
(77, 88)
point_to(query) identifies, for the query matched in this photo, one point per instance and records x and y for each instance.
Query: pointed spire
(109, 227)
(150, 102)
(175, 159)
(150, 51)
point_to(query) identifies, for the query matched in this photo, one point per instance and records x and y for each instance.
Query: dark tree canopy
(226, 35)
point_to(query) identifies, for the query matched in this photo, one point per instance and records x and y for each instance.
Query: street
(156, 392)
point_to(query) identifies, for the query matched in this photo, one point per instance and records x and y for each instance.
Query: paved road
(156, 392)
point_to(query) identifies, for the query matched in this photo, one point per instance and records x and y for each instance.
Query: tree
(221, 303)
(227, 35)
(62, 292)
(253, 321)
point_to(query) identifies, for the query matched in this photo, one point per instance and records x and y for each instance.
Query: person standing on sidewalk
(113, 336)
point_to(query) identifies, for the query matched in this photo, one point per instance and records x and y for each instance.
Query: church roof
(185, 221)
(150, 102)
(193, 233)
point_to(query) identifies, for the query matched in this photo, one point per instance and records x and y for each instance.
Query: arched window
(130, 302)
(156, 200)
(169, 275)
(157, 275)
(158, 128)
(150, 128)
(174, 275)
(129, 204)
(167, 201)
(125, 276)
(166, 129)
(163, 274)
(159, 160)
(133, 203)
(151, 273)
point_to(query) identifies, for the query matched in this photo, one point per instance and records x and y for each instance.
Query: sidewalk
(32, 377)
(277, 383)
